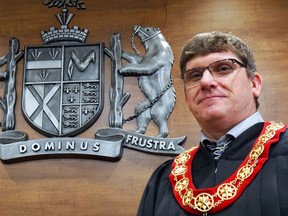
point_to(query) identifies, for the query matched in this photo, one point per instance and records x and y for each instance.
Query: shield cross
(63, 87)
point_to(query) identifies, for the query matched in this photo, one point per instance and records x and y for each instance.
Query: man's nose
(207, 79)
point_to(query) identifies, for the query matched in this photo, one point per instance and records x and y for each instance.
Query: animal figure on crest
(153, 71)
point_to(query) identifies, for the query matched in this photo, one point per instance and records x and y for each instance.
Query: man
(240, 167)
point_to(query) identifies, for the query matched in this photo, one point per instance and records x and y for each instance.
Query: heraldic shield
(63, 87)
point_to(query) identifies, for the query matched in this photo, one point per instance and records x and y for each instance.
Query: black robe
(267, 195)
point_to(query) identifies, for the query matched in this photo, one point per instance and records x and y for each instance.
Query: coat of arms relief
(62, 93)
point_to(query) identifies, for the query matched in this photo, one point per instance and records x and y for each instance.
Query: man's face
(226, 100)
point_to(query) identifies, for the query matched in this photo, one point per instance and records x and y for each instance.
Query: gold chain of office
(205, 201)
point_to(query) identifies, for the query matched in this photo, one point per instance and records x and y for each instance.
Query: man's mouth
(210, 97)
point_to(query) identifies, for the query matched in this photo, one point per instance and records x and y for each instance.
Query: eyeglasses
(218, 69)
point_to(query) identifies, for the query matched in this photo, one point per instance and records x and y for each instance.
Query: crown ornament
(64, 33)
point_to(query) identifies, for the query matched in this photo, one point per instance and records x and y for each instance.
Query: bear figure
(153, 71)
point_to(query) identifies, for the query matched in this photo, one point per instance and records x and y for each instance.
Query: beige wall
(93, 187)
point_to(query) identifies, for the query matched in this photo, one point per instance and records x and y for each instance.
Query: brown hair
(209, 42)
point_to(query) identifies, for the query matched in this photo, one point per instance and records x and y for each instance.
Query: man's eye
(224, 69)
(193, 75)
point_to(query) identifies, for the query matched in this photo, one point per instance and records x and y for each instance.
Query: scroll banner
(13, 147)
(149, 144)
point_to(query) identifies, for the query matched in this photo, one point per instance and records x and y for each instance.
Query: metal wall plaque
(63, 87)
(63, 94)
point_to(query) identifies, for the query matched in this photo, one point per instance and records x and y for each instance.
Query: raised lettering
(134, 140)
(59, 145)
(84, 146)
(70, 145)
(128, 138)
(162, 145)
(156, 142)
(171, 146)
(22, 149)
(49, 146)
(36, 147)
(149, 144)
(96, 147)
(142, 142)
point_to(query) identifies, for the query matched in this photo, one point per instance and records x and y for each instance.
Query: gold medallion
(204, 202)
(226, 191)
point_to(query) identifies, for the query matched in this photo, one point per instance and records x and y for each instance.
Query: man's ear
(256, 83)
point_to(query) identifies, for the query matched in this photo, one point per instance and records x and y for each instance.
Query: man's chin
(214, 114)
(213, 101)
